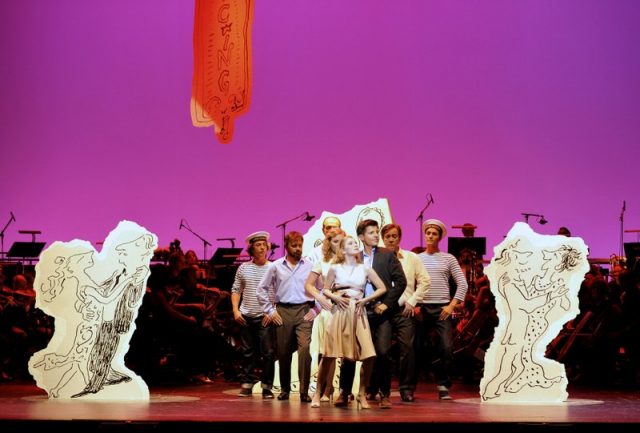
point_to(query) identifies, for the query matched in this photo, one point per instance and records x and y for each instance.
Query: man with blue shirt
(292, 313)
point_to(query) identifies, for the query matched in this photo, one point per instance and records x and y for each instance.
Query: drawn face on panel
(132, 254)
(79, 263)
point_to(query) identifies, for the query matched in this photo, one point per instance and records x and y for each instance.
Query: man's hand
(237, 316)
(325, 303)
(266, 320)
(276, 318)
(408, 310)
(380, 309)
(446, 312)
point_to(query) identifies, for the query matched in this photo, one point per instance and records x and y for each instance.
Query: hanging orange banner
(222, 64)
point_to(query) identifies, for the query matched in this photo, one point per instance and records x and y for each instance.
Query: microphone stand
(204, 241)
(284, 224)
(420, 218)
(624, 208)
(11, 219)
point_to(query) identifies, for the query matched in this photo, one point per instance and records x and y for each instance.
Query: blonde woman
(347, 333)
(330, 247)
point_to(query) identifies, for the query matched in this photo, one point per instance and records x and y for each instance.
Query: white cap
(437, 223)
(257, 236)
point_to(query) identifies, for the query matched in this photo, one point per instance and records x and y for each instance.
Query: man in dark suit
(389, 269)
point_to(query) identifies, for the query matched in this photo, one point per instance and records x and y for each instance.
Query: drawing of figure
(78, 356)
(119, 296)
(93, 298)
(71, 270)
(536, 280)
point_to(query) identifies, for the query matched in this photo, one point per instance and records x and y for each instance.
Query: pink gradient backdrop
(494, 107)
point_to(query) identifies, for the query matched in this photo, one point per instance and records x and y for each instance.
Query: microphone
(274, 246)
(13, 217)
(181, 224)
(430, 197)
(309, 217)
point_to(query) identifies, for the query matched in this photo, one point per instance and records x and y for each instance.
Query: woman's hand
(341, 302)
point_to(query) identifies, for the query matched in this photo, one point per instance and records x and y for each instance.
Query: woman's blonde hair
(327, 252)
(340, 256)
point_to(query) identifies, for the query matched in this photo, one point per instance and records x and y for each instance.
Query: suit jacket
(389, 269)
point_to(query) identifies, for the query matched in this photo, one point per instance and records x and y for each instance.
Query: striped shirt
(442, 266)
(248, 277)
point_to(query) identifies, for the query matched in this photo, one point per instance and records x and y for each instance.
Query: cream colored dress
(348, 334)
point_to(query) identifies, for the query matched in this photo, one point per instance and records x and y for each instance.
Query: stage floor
(199, 407)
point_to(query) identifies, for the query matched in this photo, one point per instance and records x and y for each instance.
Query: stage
(206, 407)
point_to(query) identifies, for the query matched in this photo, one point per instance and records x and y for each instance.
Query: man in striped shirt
(438, 305)
(257, 339)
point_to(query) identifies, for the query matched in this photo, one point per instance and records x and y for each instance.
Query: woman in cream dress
(318, 274)
(347, 333)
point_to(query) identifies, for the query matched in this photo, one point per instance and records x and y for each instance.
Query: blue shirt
(284, 284)
(368, 261)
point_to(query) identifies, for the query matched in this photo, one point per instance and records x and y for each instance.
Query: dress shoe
(385, 403)
(443, 393)
(305, 398)
(245, 392)
(341, 401)
(284, 395)
(407, 396)
(267, 394)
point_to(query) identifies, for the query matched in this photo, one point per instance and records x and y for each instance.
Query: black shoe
(267, 394)
(341, 401)
(305, 398)
(407, 396)
(443, 393)
(284, 395)
(245, 392)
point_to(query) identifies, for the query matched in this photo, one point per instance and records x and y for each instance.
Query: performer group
(361, 297)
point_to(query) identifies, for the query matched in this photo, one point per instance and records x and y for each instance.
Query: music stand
(225, 256)
(477, 245)
(223, 265)
(632, 253)
(26, 250)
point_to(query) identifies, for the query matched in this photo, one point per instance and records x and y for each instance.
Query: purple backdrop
(494, 107)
